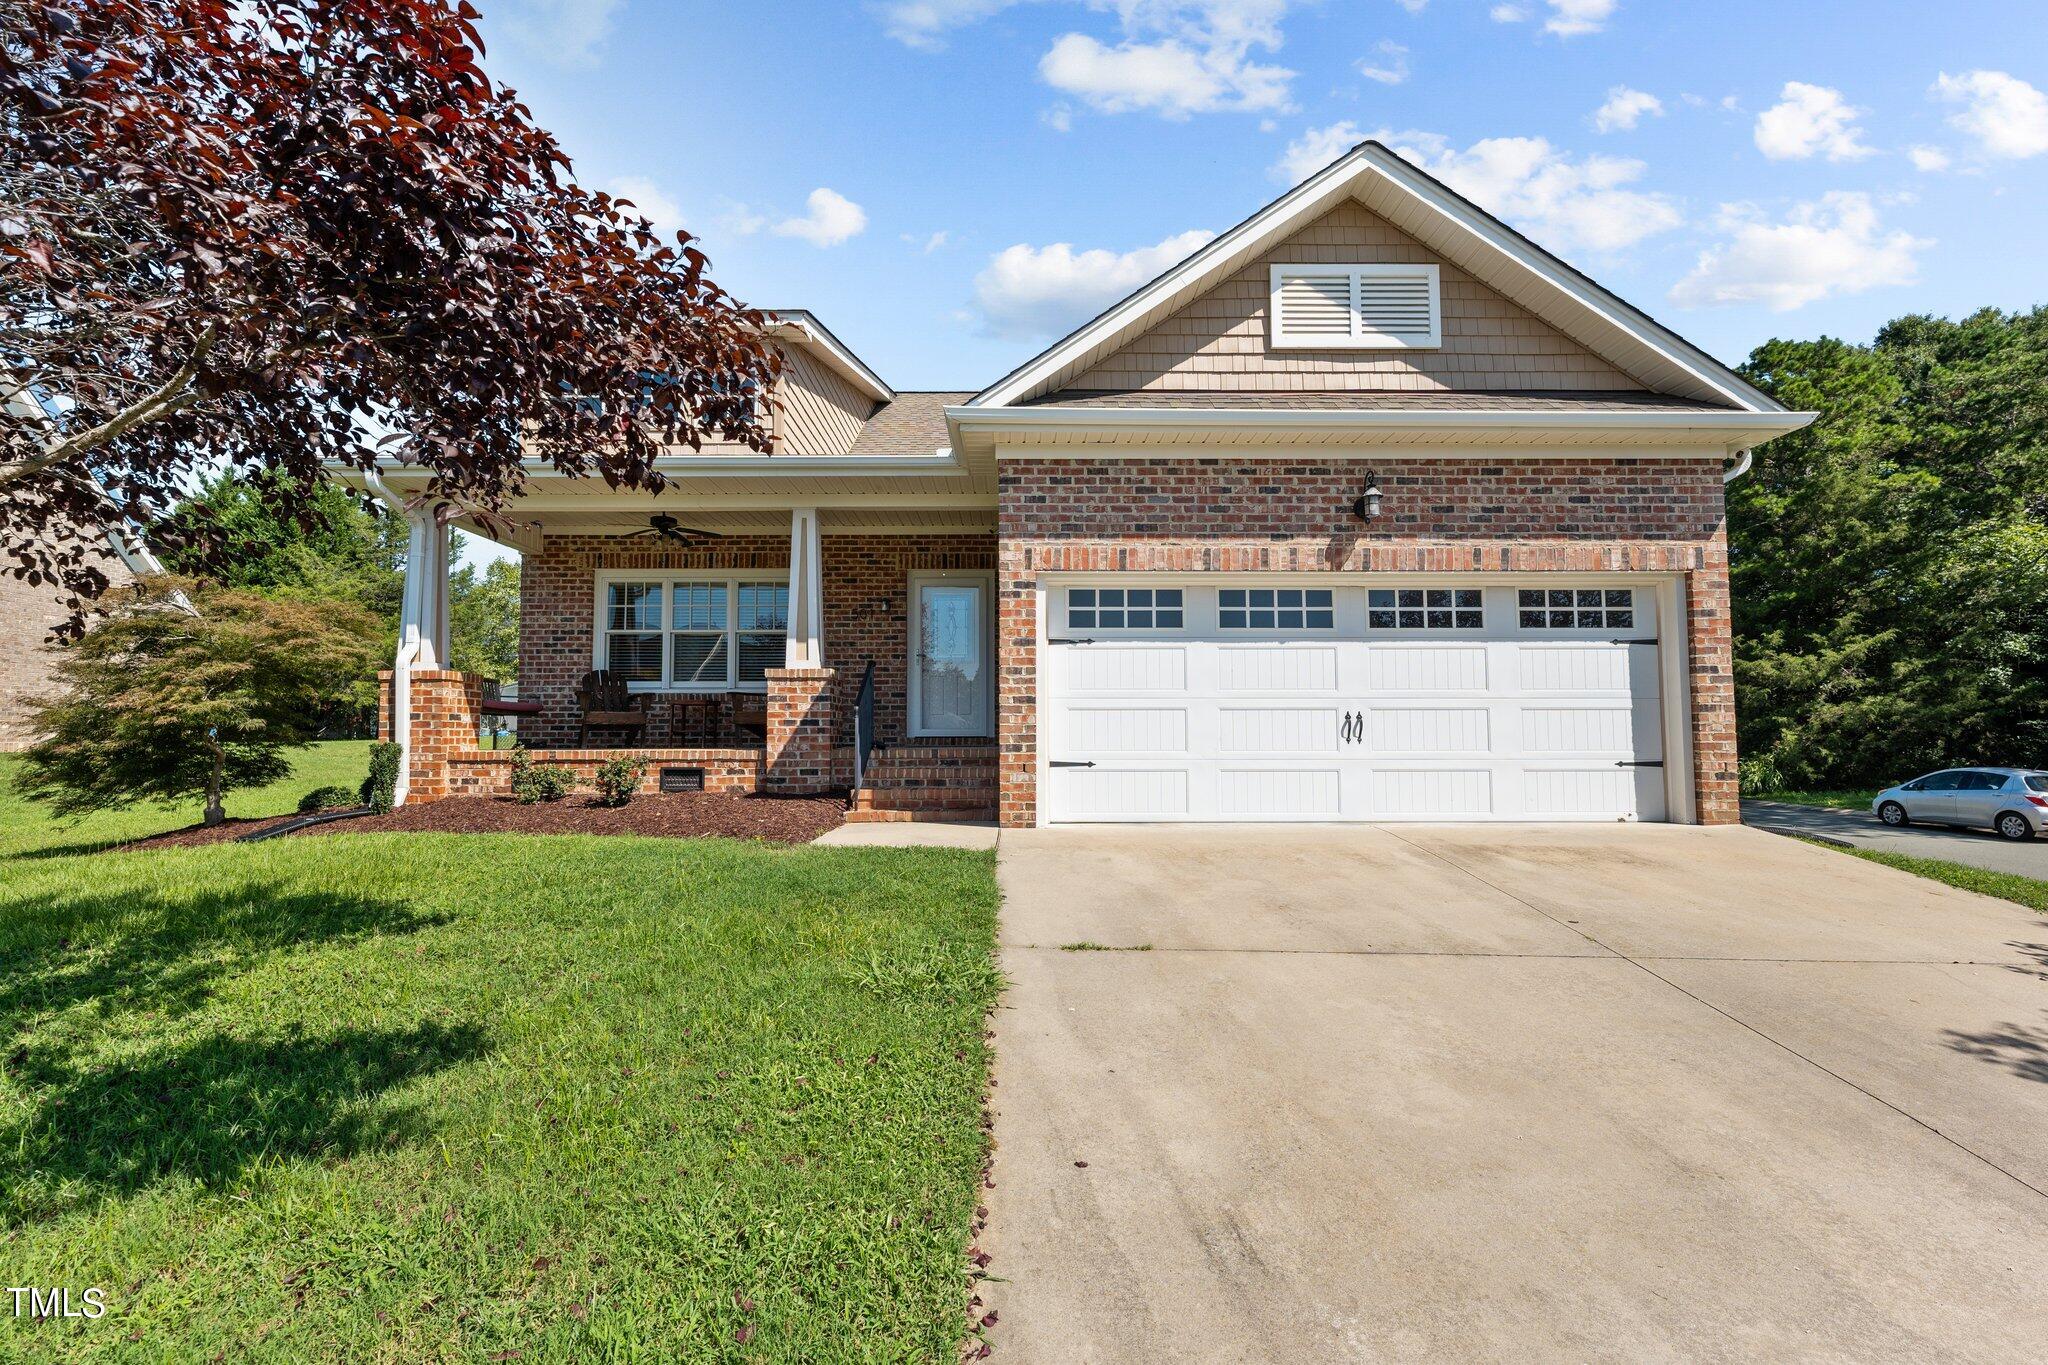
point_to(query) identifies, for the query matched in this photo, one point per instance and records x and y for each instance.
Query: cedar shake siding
(1219, 340)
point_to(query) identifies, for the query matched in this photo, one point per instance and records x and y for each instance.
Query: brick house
(33, 611)
(1369, 510)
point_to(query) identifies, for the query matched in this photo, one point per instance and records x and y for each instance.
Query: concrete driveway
(1512, 1093)
(1970, 847)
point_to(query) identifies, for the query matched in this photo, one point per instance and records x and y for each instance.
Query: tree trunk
(214, 813)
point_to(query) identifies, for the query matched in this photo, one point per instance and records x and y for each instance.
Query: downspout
(408, 646)
(1741, 466)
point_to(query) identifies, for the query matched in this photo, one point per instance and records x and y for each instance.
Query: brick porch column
(447, 708)
(799, 757)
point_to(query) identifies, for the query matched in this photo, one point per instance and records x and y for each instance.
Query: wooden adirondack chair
(606, 704)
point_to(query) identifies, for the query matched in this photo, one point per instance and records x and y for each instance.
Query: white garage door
(1384, 701)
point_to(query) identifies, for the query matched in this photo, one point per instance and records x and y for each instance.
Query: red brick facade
(867, 616)
(1606, 514)
(798, 754)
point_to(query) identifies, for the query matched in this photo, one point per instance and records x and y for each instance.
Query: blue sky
(950, 183)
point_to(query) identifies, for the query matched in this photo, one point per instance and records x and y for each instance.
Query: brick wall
(27, 615)
(1600, 515)
(867, 616)
(797, 755)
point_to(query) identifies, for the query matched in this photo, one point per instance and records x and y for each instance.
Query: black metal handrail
(864, 726)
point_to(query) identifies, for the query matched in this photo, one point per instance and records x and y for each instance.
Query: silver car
(2012, 801)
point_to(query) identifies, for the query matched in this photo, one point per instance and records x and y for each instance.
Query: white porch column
(805, 646)
(424, 615)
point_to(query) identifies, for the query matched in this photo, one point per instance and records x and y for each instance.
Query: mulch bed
(785, 820)
(193, 835)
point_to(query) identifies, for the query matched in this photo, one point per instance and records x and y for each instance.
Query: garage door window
(1124, 609)
(1424, 609)
(1275, 609)
(1577, 608)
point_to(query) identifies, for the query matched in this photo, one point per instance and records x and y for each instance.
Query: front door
(949, 685)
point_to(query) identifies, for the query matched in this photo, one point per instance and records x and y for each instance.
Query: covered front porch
(781, 650)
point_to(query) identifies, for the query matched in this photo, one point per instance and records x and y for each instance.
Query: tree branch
(173, 395)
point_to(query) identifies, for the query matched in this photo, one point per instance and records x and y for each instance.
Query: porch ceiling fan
(662, 526)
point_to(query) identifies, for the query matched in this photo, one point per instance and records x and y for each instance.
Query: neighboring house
(31, 613)
(1369, 510)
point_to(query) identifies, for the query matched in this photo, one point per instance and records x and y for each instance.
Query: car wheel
(1893, 814)
(2013, 825)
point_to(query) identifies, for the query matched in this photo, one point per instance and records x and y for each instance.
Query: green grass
(2028, 891)
(1847, 798)
(435, 1097)
(26, 827)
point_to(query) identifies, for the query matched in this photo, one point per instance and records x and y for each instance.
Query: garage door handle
(1057, 641)
(1069, 763)
(1640, 763)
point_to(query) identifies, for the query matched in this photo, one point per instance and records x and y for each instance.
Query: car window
(1942, 782)
(2038, 781)
(1982, 782)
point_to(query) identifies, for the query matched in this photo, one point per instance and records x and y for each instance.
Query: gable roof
(801, 325)
(1444, 222)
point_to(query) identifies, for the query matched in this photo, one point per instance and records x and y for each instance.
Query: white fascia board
(1582, 289)
(804, 325)
(1729, 425)
(1314, 195)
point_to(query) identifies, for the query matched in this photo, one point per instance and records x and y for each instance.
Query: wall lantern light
(1367, 505)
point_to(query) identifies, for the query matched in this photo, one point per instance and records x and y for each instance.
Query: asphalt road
(1972, 848)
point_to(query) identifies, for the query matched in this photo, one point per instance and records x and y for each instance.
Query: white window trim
(600, 619)
(1255, 633)
(913, 687)
(1115, 632)
(1358, 340)
(1640, 598)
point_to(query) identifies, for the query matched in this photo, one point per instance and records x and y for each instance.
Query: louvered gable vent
(1356, 307)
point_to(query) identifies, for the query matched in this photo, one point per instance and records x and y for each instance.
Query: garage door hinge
(1631, 642)
(1640, 763)
(1069, 763)
(1060, 641)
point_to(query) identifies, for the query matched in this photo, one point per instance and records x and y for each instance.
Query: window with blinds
(1356, 307)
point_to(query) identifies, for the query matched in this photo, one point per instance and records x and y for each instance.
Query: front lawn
(26, 827)
(408, 1097)
(2028, 891)
(1851, 798)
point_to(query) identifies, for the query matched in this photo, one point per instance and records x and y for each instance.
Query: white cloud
(1167, 77)
(831, 219)
(1059, 118)
(926, 246)
(1810, 120)
(1031, 291)
(1928, 158)
(565, 32)
(1413, 6)
(653, 204)
(1392, 69)
(1836, 245)
(1569, 18)
(1315, 149)
(1175, 58)
(1509, 14)
(2007, 117)
(1568, 205)
(1624, 109)
(923, 23)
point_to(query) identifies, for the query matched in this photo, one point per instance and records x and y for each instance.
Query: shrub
(187, 690)
(532, 782)
(618, 779)
(380, 788)
(326, 798)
